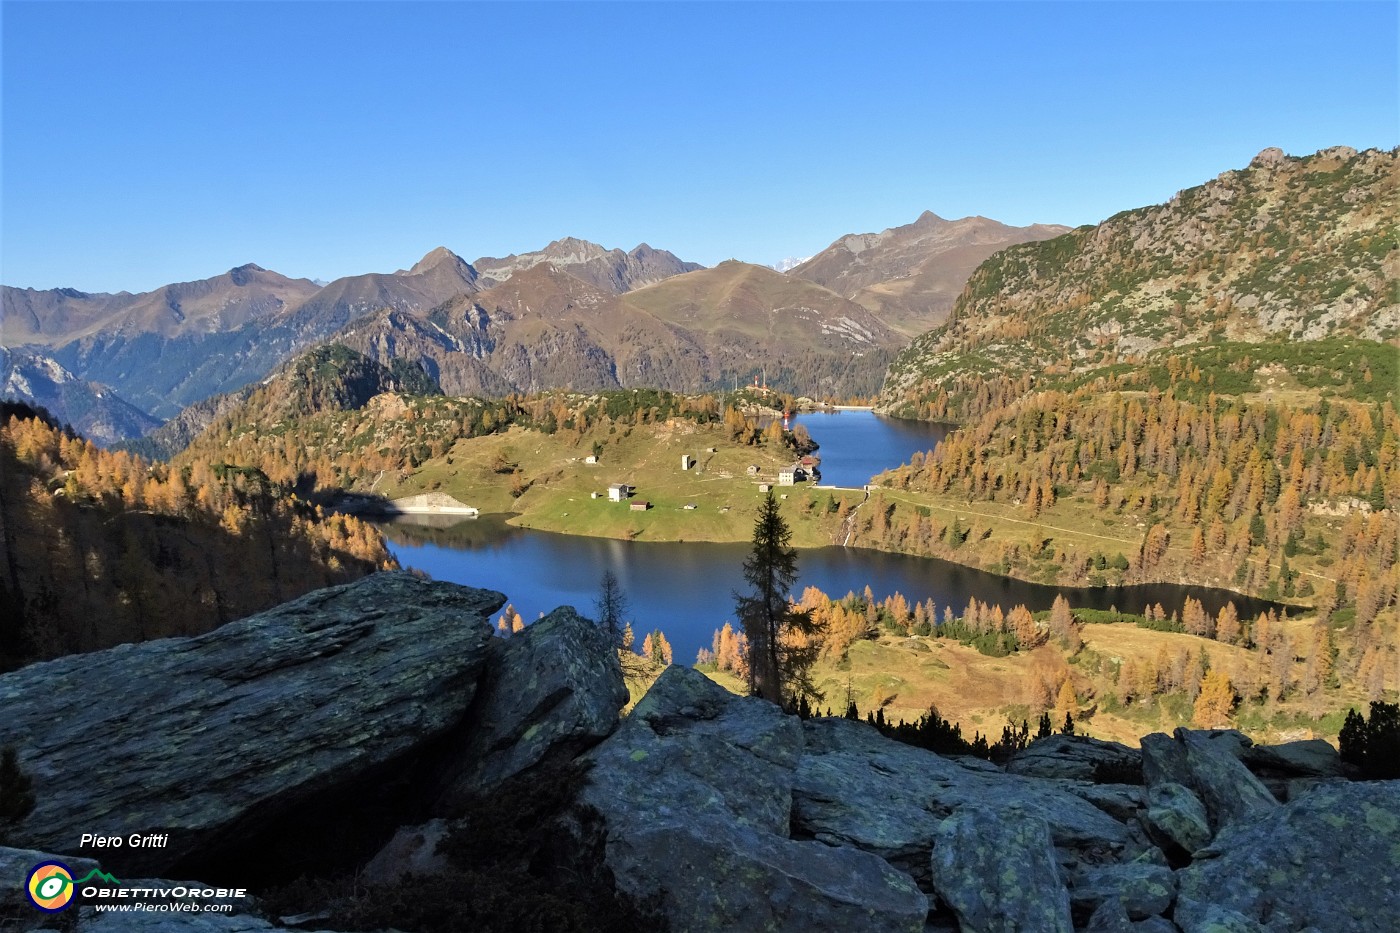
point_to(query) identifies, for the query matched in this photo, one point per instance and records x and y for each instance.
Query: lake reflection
(686, 589)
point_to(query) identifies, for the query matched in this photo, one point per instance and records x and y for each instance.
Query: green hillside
(1286, 250)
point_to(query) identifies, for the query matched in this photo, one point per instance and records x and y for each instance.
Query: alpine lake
(686, 589)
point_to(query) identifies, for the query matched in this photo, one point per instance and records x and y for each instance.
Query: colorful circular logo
(50, 886)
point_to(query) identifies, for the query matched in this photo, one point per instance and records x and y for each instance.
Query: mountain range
(544, 328)
(572, 315)
(1284, 249)
(225, 302)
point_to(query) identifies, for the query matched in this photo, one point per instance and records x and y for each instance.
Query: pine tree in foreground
(781, 647)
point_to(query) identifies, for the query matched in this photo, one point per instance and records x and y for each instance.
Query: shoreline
(1293, 608)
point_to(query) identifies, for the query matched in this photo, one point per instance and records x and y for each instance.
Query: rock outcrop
(1315, 758)
(855, 787)
(696, 793)
(1327, 861)
(1207, 764)
(998, 872)
(555, 687)
(718, 811)
(242, 726)
(1078, 757)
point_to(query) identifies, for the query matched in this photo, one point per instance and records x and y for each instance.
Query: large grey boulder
(1328, 861)
(1142, 888)
(1123, 802)
(695, 790)
(1207, 764)
(1177, 816)
(997, 870)
(235, 729)
(553, 688)
(692, 748)
(1309, 758)
(855, 787)
(1080, 758)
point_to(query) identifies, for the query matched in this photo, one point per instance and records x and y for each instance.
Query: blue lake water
(857, 445)
(686, 589)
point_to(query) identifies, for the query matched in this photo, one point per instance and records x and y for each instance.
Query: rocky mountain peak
(910, 275)
(573, 250)
(608, 269)
(242, 275)
(434, 258)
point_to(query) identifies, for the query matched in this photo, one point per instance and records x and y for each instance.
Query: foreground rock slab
(554, 688)
(1329, 860)
(856, 787)
(696, 793)
(1080, 758)
(194, 736)
(997, 870)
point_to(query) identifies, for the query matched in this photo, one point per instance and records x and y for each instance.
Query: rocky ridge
(718, 811)
(242, 327)
(1285, 249)
(910, 275)
(611, 270)
(96, 411)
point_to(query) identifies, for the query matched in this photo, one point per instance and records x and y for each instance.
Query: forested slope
(101, 548)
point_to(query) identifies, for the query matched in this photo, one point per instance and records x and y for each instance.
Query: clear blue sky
(160, 142)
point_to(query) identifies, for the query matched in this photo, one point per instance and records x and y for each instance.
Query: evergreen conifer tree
(611, 606)
(778, 667)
